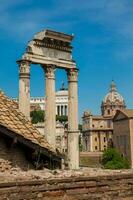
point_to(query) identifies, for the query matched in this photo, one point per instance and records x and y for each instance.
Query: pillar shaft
(60, 111)
(24, 87)
(50, 106)
(73, 133)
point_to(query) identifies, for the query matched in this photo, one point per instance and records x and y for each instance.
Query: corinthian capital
(72, 74)
(24, 67)
(49, 71)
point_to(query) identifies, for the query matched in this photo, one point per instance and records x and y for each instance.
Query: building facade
(123, 133)
(98, 130)
(61, 101)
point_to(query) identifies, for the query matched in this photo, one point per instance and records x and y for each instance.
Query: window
(58, 110)
(104, 146)
(65, 110)
(108, 123)
(95, 147)
(93, 125)
(62, 110)
(108, 112)
(104, 139)
(96, 139)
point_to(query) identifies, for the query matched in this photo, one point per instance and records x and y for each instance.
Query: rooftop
(113, 96)
(54, 35)
(127, 112)
(12, 119)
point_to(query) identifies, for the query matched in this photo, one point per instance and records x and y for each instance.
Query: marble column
(64, 110)
(60, 111)
(50, 106)
(73, 132)
(24, 87)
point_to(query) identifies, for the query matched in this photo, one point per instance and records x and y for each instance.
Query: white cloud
(115, 15)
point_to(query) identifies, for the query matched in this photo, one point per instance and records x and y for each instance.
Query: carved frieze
(54, 44)
(50, 46)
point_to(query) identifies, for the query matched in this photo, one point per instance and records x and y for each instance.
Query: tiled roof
(128, 112)
(15, 121)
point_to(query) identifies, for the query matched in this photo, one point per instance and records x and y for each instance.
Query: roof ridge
(13, 119)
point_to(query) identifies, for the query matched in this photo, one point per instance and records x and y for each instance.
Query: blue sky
(103, 45)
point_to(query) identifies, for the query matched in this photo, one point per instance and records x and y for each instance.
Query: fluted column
(73, 132)
(50, 106)
(24, 87)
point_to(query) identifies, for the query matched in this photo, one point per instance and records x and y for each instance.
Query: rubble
(18, 175)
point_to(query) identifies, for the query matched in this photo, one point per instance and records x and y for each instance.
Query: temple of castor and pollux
(52, 50)
(21, 143)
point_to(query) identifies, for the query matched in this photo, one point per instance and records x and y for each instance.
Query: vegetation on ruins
(80, 127)
(62, 118)
(80, 143)
(112, 159)
(37, 116)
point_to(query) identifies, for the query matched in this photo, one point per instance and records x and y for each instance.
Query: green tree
(112, 159)
(80, 127)
(37, 116)
(62, 118)
(80, 143)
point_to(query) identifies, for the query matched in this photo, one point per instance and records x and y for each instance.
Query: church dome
(113, 96)
(112, 101)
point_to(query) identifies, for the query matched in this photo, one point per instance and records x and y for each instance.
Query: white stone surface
(61, 135)
(24, 88)
(73, 133)
(61, 101)
(51, 50)
(50, 121)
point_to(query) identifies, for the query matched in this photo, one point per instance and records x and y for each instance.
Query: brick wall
(117, 187)
(12, 155)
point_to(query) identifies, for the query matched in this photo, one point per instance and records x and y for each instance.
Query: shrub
(113, 160)
(37, 116)
(62, 118)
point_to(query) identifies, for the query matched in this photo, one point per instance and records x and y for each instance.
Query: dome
(113, 96)
(112, 101)
(63, 91)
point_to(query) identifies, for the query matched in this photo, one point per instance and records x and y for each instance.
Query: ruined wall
(12, 155)
(81, 188)
(90, 159)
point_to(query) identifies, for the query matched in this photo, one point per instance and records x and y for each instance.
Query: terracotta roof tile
(14, 120)
(128, 112)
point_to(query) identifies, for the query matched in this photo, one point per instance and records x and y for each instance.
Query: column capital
(49, 71)
(24, 67)
(23, 61)
(72, 74)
